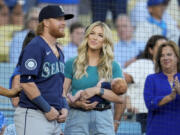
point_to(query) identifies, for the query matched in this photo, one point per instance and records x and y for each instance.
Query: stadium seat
(129, 128)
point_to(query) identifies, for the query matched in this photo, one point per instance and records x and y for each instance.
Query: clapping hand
(177, 85)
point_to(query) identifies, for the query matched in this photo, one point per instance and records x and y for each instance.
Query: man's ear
(46, 22)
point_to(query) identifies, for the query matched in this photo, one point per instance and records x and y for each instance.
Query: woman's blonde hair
(106, 55)
(175, 48)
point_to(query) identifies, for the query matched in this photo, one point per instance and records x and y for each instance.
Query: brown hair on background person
(175, 48)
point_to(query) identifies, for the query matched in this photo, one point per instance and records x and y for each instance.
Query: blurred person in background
(9, 25)
(16, 11)
(100, 9)
(161, 92)
(30, 24)
(4, 15)
(140, 13)
(26, 4)
(135, 75)
(154, 23)
(76, 31)
(127, 48)
(14, 81)
(4, 21)
(17, 15)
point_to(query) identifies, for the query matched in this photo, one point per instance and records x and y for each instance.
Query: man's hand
(63, 115)
(52, 114)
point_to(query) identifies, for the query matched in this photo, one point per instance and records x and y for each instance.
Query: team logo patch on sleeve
(31, 64)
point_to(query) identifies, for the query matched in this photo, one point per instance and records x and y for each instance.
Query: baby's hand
(99, 83)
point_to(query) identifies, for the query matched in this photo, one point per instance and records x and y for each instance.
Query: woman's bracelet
(117, 121)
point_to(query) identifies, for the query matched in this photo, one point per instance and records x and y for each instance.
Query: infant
(117, 85)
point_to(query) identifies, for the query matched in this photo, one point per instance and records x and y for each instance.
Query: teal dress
(91, 79)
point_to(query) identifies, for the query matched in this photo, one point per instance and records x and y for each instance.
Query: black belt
(99, 107)
(102, 107)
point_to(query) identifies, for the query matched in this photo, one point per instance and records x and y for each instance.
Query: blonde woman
(90, 115)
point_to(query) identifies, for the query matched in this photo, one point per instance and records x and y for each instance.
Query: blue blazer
(162, 120)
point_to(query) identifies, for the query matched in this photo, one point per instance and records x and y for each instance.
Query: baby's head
(119, 86)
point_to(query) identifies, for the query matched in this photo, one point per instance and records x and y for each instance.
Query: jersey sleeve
(69, 68)
(116, 70)
(16, 72)
(150, 99)
(31, 60)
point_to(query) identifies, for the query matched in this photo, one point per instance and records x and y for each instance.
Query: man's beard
(55, 33)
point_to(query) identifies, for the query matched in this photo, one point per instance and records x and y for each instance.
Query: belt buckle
(102, 106)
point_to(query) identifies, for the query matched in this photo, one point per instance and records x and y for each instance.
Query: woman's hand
(89, 92)
(128, 78)
(172, 96)
(177, 85)
(133, 110)
(84, 104)
(88, 106)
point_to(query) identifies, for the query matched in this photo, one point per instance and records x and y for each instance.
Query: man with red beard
(42, 106)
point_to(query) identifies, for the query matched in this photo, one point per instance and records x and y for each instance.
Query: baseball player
(42, 105)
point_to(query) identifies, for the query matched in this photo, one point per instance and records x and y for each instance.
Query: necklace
(53, 47)
(171, 84)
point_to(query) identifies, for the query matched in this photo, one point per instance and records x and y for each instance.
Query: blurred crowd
(133, 27)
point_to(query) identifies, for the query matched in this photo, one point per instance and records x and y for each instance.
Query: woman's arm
(15, 84)
(111, 96)
(118, 113)
(129, 106)
(168, 98)
(108, 95)
(66, 86)
(78, 104)
(10, 93)
(152, 101)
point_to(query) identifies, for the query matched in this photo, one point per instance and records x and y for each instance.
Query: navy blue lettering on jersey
(39, 61)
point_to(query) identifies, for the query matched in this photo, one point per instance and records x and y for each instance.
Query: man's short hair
(75, 26)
